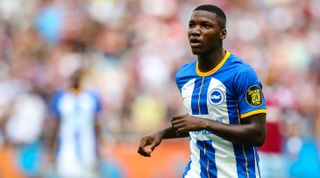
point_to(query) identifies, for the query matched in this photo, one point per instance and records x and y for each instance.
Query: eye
(191, 25)
(206, 26)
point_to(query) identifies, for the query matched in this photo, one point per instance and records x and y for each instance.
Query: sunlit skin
(206, 33)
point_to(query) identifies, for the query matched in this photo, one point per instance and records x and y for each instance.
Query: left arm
(251, 130)
(98, 129)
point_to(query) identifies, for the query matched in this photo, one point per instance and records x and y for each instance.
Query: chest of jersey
(71, 104)
(206, 97)
(77, 110)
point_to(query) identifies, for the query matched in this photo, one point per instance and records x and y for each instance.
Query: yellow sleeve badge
(254, 96)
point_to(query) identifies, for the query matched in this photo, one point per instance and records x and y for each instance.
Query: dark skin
(206, 33)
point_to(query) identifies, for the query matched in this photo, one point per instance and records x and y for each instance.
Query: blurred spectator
(24, 126)
(272, 161)
(50, 21)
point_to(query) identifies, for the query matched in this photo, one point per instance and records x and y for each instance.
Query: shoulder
(237, 62)
(58, 94)
(91, 93)
(95, 96)
(187, 68)
(56, 99)
(240, 67)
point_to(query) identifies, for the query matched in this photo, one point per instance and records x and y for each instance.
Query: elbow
(259, 142)
(260, 138)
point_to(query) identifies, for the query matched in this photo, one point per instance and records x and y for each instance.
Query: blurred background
(129, 51)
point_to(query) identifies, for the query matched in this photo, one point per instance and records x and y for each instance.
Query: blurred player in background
(76, 129)
(226, 110)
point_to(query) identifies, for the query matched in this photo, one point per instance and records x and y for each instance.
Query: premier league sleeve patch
(254, 96)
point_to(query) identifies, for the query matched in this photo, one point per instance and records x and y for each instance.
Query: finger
(178, 117)
(153, 146)
(178, 121)
(143, 152)
(178, 125)
(182, 129)
(144, 142)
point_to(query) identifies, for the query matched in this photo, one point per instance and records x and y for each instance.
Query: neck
(209, 61)
(75, 90)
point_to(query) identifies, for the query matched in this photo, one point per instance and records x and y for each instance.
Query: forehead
(201, 15)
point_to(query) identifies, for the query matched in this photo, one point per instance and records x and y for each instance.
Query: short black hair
(214, 9)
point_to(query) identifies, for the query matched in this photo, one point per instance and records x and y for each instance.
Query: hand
(186, 123)
(152, 140)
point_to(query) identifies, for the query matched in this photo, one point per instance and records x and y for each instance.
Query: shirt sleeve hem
(251, 113)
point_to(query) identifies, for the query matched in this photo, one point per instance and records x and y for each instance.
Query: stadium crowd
(131, 49)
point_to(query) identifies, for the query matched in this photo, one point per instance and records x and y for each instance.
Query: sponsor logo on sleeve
(254, 96)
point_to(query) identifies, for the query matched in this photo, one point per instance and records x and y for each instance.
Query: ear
(223, 34)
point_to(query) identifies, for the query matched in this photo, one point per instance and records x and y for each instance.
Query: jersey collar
(203, 74)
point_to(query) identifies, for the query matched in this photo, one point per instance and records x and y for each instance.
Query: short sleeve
(248, 91)
(54, 105)
(98, 102)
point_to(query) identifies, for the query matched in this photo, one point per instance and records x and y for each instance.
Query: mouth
(195, 42)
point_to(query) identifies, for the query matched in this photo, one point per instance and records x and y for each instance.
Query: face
(75, 79)
(205, 32)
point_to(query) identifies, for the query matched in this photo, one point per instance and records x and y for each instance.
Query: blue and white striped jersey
(226, 94)
(77, 138)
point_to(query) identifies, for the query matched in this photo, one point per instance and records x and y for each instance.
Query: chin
(196, 51)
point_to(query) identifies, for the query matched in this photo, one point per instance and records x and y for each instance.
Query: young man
(76, 129)
(226, 110)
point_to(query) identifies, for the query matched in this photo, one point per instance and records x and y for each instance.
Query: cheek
(212, 39)
(189, 34)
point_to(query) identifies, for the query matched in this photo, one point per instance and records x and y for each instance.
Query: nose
(195, 31)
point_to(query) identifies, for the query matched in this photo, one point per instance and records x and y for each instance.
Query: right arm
(171, 132)
(54, 131)
(54, 124)
(153, 140)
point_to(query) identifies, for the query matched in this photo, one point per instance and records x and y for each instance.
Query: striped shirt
(229, 92)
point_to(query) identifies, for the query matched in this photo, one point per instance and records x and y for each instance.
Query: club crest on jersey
(254, 96)
(216, 96)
